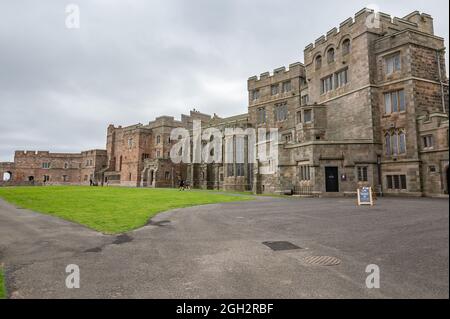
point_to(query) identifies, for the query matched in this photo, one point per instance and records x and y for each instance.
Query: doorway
(331, 179)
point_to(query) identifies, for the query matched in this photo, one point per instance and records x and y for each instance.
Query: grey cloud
(131, 61)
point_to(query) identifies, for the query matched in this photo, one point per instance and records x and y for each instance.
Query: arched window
(330, 55)
(402, 143)
(395, 142)
(346, 47)
(318, 62)
(388, 144)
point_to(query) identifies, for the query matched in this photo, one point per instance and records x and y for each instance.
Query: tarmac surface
(217, 251)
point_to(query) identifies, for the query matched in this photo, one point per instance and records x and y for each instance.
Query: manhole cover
(322, 260)
(280, 245)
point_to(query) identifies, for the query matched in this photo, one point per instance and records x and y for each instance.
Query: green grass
(2, 285)
(109, 209)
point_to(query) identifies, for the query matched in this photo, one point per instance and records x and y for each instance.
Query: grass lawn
(2, 285)
(109, 209)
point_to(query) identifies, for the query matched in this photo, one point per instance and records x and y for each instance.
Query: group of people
(184, 185)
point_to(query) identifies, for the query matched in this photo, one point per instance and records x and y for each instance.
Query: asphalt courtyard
(217, 251)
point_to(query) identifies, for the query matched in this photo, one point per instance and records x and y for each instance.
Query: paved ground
(216, 251)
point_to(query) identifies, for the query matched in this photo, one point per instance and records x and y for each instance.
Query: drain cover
(280, 245)
(322, 260)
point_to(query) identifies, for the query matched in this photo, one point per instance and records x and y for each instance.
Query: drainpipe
(440, 79)
(380, 180)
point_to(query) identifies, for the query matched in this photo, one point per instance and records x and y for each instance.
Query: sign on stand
(365, 196)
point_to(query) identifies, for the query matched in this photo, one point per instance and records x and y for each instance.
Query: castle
(369, 107)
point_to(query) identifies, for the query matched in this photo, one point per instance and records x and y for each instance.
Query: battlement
(297, 66)
(368, 19)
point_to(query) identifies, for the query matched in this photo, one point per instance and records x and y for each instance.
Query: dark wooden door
(331, 179)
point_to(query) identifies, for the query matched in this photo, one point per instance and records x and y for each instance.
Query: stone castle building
(369, 107)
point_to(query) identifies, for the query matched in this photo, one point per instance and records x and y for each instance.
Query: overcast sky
(131, 61)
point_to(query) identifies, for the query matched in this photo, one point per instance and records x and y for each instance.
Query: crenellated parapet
(367, 20)
(296, 69)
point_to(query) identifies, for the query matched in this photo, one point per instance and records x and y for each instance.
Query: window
(394, 102)
(307, 116)
(288, 138)
(341, 78)
(158, 139)
(66, 165)
(318, 62)
(46, 165)
(286, 87)
(281, 112)
(130, 143)
(65, 178)
(129, 176)
(255, 95)
(261, 115)
(158, 154)
(145, 156)
(305, 99)
(362, 174)
(395, 142)
(299, 117)
(428, 141)
(304, 173)
(274, 89)
(346, 47)
(85, 178)
(393, 63)
(432, 169)
(167, 175)
(240, 169)
(46, 178)
(330, 55)
(396, 181)
(230, 169)
(326, 84)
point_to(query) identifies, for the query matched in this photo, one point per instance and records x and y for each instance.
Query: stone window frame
(261, 119)
(310, 120)
(46, 165)
(318, 62)
(304, 99)
(331, 55)
(393, 60)
(427, 141)
(275, 89)
(286, 86)
(396, 182)
(304, 173)
(338, 83)
(397, 95)
(66, 165)
(346, 46)
(395, 142)
(281, 112)
(255, 94)
(65, 178)
(362, 173)
(327, 84)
